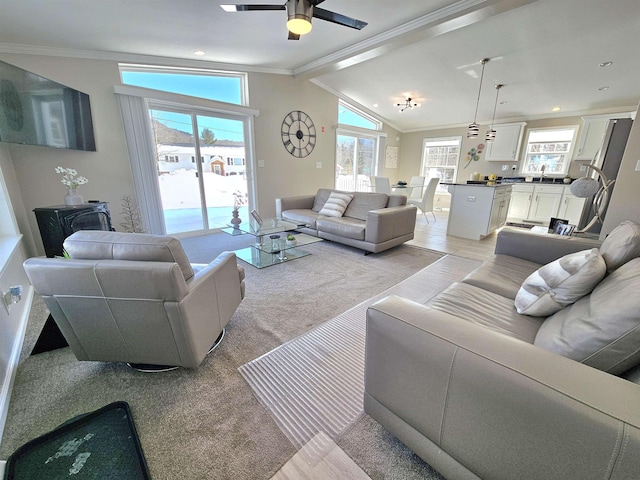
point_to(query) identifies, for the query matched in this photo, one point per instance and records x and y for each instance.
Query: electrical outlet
(505, 168)
(471, 199)
(318, 164)
(260, 163)
(583, 168)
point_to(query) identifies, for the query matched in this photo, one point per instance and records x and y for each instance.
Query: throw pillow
(601, 330)
(560, 283)
(336, 204)
(621, 245)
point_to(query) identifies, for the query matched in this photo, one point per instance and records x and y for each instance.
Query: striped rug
(315, 382)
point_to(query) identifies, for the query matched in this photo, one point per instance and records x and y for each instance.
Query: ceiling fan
(299, 14)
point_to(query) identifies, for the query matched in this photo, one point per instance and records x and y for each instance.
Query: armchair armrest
(501, 407)
(294, 203)
(389, 223)
(539, 248)
(222, 279)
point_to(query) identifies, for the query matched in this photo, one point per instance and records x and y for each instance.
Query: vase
(236, 220)
(72, 198)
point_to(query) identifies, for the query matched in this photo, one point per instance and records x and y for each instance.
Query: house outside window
(440, 157)
(551, 148)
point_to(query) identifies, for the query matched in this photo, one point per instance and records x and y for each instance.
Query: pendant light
(491, 133)
(474, 129)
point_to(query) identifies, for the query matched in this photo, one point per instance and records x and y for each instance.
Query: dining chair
(416, 186)
(382, 185)
(425, 204)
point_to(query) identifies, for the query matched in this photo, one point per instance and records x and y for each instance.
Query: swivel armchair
(135, 298)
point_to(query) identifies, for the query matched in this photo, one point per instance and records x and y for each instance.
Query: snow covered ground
(181, 199)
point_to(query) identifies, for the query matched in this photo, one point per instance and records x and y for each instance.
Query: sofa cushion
(363, 202)
(301, 216)
(321, 198)
(502, 274)
(487, 309)
(560, 283)
(342, 227)
(621, 245)
(602, 329)
(336, 204)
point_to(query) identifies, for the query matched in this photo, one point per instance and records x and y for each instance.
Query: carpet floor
(206, 423)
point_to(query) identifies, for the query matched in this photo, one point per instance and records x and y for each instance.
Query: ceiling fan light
(299, 26)
(299, 13)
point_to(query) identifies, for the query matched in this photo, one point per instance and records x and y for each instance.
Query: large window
(357, 145)
(550, 148)
(440, 158)
(229, 87)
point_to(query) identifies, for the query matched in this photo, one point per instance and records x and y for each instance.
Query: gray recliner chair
(135, 298)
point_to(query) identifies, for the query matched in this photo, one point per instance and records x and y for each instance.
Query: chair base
(149, 368)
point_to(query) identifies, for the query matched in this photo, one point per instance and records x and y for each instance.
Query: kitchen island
(477, 209)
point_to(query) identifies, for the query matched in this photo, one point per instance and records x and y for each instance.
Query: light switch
(638, 166)
(260, 163)
(318, 164)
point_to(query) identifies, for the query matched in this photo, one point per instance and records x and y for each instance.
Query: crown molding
(133, 58)
(452, 17)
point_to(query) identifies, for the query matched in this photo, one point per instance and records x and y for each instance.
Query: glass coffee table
(271, 246)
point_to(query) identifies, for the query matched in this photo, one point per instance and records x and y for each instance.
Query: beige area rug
(320, 459)
(315, 382)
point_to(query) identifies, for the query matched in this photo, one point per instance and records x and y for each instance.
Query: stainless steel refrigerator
(608, 159)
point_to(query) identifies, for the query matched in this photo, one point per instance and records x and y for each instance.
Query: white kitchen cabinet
(477, 210)
(571, 207)
(535, 203)
(521, 196)
(592, 134)
(545, 203)
(506, 146)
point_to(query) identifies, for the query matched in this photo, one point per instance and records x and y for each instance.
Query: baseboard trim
(12, 366)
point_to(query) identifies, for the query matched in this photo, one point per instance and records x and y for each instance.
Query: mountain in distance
(171, 136)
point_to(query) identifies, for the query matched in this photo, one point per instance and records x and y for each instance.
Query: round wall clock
(298, 134)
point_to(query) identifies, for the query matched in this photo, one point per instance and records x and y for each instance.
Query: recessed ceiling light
(555, 109)
(602, 89)
(606, 64)
(375, 105)
(199, 53)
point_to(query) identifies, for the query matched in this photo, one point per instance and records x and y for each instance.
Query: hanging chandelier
(491, 133)
(474, 129)
(408, 103)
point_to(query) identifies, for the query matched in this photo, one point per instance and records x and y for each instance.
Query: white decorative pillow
(336, 204)
(560, 283)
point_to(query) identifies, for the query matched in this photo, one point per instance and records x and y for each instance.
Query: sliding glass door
(356, 160)
(201, 168)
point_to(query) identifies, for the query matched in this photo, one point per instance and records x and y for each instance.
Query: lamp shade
(584, 187)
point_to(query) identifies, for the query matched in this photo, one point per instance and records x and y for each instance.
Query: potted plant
(291, 241)
(239, 199)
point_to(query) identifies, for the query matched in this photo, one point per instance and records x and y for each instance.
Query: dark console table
(57, 223)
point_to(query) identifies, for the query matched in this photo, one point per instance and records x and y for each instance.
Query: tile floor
(433, 235)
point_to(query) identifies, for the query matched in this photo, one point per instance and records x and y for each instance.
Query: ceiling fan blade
(315, 2)
(294, 36)
(248, 8)
(338, 18)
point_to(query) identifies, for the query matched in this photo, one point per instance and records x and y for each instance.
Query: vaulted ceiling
(547, 53)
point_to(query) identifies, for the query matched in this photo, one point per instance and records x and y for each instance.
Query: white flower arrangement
(70, 178)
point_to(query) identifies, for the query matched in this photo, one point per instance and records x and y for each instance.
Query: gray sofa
(373, 222)
(480, 391)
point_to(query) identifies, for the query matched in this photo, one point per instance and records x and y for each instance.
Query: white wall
(13, 320)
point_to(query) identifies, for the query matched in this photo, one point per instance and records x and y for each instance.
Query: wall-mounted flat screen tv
(37, 111)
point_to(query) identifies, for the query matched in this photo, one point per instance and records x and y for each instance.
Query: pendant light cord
(475, 116)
